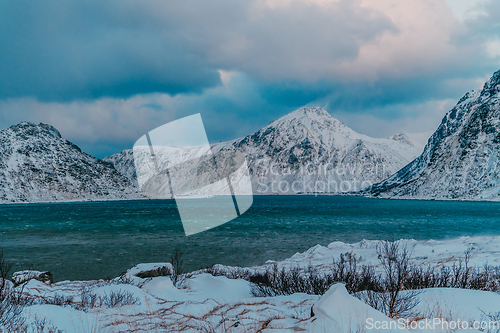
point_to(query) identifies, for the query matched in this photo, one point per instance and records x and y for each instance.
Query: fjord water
(90, 240)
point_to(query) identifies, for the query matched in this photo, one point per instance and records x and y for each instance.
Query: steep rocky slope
(461, 159)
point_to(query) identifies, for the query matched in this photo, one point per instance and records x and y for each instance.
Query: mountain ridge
(38, 165)
(461, 159)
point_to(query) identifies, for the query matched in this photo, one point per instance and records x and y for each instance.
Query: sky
(106, 72)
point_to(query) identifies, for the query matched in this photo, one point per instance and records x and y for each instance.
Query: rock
(150, 270)
(161, 271)
(24, 276)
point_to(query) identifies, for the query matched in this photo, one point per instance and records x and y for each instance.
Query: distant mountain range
(461, 159)
(306, 151)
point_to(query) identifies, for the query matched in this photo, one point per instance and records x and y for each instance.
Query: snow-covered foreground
(209, 303)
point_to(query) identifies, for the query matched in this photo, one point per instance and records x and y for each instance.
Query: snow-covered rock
(306, 151)
(27, 275)
(150, 269)
(37, 164)
(337, 311)
(461, 159)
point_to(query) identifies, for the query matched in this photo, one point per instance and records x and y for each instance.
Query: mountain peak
(32, 129)
(492, 86)
(307, 112)
(311, 122)
(307, 115)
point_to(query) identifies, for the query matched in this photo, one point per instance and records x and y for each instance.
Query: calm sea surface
(89, 240)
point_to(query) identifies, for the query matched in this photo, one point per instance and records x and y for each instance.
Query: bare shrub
(313, 281)
(394, 259)
(88, 300)
(458, 275)
(119, 298)
(493, 320)
(356, 278)
(11, 302)
(393, 289)
(317, 283)
(43, 326)
(60, 300)
(274, 281)
(233, 273)
(177, 262)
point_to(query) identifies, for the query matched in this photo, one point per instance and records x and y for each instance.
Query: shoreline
(484, 250)
(260, 195)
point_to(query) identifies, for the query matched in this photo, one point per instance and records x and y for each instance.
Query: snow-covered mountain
(37, 164)
(307, 151)
(461, 159)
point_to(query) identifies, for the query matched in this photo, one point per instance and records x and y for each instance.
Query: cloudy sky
(104, 73)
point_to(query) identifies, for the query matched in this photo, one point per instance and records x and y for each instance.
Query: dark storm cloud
(62, 50)
(363, 97)
(65, 50)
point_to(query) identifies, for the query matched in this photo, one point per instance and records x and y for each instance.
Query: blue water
(89, 240)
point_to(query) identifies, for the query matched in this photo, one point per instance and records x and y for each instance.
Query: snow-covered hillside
(308, 151)
(37, 164)
(461, 159)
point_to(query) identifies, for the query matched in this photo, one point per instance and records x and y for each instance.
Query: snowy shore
(207, 303)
